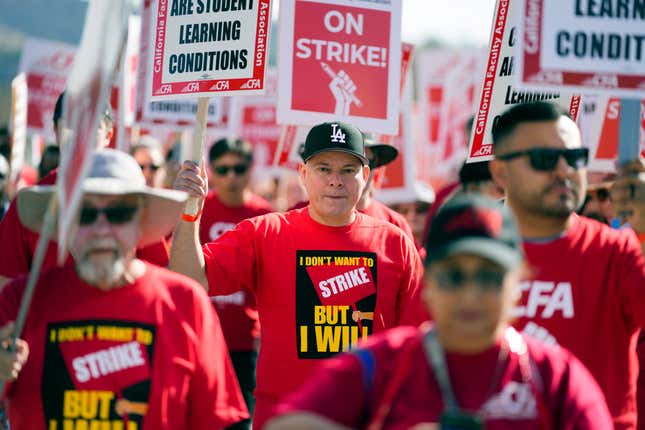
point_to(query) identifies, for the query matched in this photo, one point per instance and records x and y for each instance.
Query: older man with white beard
(114, 341)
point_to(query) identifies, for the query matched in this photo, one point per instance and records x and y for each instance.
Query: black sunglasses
(238, 169)
(152, 167)
(602, 194)
(114, 214)
(486, 280)
(545, 159)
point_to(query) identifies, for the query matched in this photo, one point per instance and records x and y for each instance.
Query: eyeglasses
(115, 214)
(485, 279)
(601, 194)
(238, 169)
(152, 167)
(545, 159)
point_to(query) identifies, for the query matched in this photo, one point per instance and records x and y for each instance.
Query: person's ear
(499, 173)
(366, 172)
(302, 169)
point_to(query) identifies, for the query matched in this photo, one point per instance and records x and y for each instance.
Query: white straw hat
(112, 173)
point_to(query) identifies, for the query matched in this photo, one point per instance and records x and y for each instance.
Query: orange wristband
(191, 218)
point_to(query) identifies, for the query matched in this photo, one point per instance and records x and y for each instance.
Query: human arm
(186, 256)
(410, 309)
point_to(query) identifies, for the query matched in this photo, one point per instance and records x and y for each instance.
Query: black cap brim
(490, 249)
(383, 154)
(362, 159)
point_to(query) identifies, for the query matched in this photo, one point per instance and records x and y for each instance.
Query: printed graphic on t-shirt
(335, 300)
(97, 374)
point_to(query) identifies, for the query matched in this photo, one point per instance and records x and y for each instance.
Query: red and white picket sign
(448, 80)
(499, 91)
(19, 101)
(590, 46)
(599, 122)
(47, 65)
(340, 60)
(88, 87)
(209, 48)
(254, 119)
(175, 112)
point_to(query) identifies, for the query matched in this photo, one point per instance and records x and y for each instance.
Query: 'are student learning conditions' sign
(590, 45)
(209, 47)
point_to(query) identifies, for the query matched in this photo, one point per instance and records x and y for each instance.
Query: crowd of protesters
(512, 298)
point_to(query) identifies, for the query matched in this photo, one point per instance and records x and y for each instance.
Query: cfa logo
(191, 88)
(220, 85)
(252, 84)
(484, 150)
(547, 78)
(609, 80)
(165, 89)
(515, 401)
(545, 299)
(337, 135)
(219, 228)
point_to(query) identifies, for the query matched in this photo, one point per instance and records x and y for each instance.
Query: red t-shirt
(237, 312)
(554, 390)
(587, 292)
(149, 353)
(380, 211)
(319, 289)
(22, 243)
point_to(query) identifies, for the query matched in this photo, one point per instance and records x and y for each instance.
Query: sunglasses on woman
(546, 159)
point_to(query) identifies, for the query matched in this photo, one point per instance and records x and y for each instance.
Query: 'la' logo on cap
(337, 135)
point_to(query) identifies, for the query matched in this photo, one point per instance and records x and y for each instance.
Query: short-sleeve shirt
(147, 355)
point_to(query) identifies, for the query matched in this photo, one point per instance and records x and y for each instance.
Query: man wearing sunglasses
(19, 243)
(228, 202)
(115, 342)
(325, 276)
(586, 290)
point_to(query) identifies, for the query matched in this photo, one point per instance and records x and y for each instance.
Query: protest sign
(499, 91)
(253, 118)
(448, 81)
(47, 65)
(86, 94)
(178, 112)
(351, 50)
(599, 123)
(19, 102)
(208, 47)
(582, 45)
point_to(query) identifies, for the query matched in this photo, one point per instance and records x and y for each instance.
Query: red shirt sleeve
(629, 269)
(214, 386)
(573, 397)
(230, 260)
(10, 298)
(410, 308)
(14, 238)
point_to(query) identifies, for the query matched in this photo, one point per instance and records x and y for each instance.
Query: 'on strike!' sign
(206, 47)
(595, 45)
(340, 60)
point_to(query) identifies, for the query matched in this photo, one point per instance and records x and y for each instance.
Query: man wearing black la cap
(325, 276)
(468, 371)
(376, 155)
